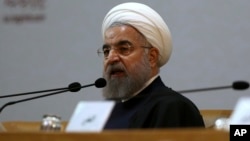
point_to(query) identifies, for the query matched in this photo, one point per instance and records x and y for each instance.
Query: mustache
(115, 68)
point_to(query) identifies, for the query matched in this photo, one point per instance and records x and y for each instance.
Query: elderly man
(137, 42)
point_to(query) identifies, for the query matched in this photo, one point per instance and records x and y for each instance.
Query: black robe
(157, 106)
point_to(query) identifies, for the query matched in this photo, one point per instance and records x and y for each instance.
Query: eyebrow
(121, 42)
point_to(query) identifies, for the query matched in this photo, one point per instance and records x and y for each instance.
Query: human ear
(153, 56)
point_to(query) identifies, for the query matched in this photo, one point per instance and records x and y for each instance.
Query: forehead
(122, 32)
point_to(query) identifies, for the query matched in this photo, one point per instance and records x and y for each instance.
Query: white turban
(145, 20)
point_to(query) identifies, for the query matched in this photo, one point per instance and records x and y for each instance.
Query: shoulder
(166, 102)
(165, 107)
(168, 110)
(167, 98)
(159, 90)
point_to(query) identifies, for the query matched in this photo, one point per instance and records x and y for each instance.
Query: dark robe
(157, 106)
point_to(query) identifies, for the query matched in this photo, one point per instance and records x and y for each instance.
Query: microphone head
(74, 87)
(240, 85)
(100, 83)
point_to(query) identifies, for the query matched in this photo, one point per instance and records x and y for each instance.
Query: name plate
(241, 113)
(90, 116)
(240, 121)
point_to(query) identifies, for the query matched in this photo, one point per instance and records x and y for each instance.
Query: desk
(30, 131)
(121, 135)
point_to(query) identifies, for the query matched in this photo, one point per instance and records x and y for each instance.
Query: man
(137, 42)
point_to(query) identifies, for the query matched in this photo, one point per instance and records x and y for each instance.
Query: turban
(145, 20)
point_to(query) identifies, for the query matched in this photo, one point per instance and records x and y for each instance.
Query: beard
(119, 88)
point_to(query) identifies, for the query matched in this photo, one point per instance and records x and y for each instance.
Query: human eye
(124, 49)
(106, 51)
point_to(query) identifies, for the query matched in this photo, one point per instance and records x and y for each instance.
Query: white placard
(241, 113)
(90, 116)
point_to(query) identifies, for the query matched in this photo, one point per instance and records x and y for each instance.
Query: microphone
(73, 87)
(237, 85)
(240, 85)
(100, 83)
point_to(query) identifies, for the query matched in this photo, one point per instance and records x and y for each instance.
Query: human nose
(113, 56)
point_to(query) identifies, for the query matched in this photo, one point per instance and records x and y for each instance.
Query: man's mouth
(117, 73)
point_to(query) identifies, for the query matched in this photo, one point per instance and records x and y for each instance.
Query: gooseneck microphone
(237, 85)
(73, 87)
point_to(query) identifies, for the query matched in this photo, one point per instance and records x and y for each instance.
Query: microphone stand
(62, 90)
(34, 92)
(237, 85)
(73, 87)
(31, 98)
(204, 89)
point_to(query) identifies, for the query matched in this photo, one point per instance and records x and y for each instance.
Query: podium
(30, 131)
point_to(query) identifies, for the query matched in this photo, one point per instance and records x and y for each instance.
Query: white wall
(211, 48)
